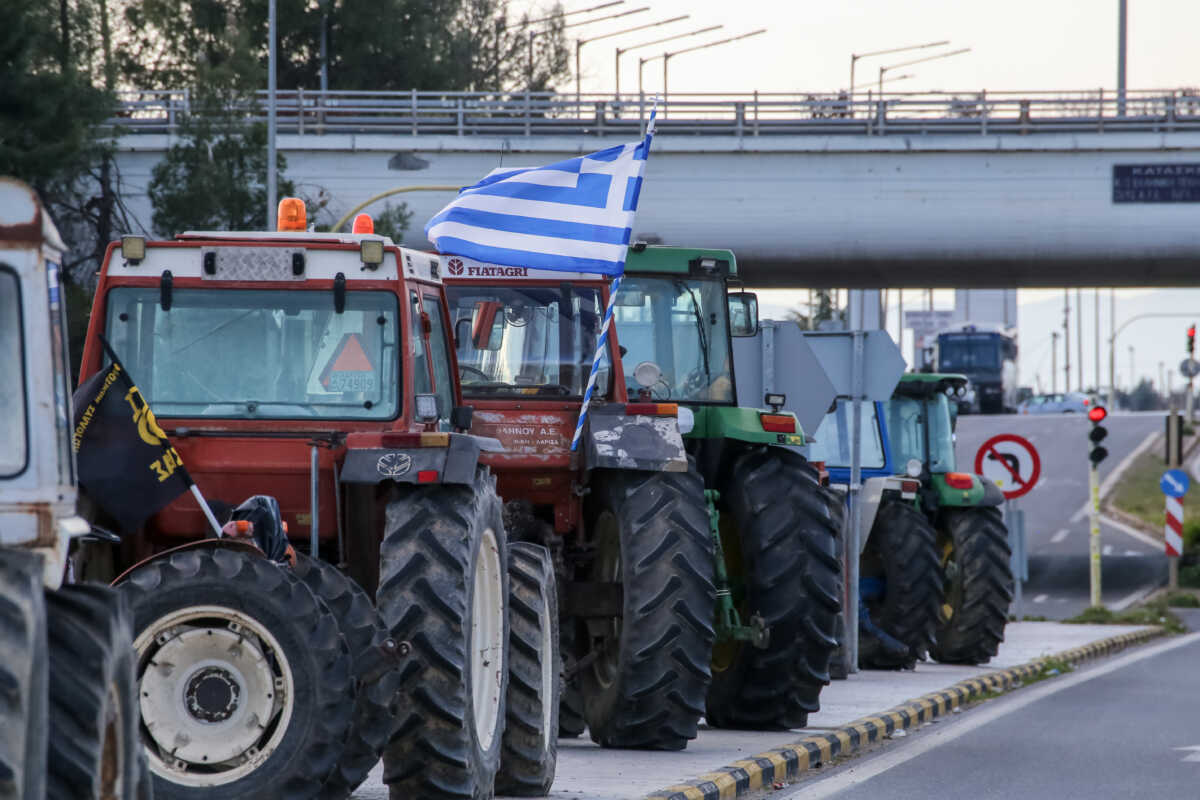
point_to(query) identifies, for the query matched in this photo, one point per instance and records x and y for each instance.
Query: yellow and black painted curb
(789, 761)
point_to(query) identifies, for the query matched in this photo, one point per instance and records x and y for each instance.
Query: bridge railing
(310, 112)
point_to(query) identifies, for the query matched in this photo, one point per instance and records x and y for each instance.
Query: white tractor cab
(69, 722)
(37, 466)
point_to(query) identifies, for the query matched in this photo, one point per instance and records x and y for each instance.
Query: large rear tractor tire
(443, 590)
(648, 672)
(93, 744)
(780, 537)
(571, 723)
(901, 552)
(375, 694)
(973, 545)
(530, 744)
(245, 684)
(23, 677)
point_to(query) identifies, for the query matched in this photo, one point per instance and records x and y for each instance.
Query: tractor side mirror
(743, 314)
(487, 325)
(461, 418)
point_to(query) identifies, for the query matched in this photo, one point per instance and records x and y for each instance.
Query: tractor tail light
(959, 480)
(427, 476)
(778, 423)
(909, 488)
(415, 440)
(653, 409)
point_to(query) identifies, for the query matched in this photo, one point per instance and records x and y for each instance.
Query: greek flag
(573, 216)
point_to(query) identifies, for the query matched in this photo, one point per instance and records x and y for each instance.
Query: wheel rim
(113, 750)
(549, 666)
(487, 639)
(607, 568)
(216, 693)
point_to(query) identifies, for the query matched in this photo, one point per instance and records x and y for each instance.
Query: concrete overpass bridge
(983, 190)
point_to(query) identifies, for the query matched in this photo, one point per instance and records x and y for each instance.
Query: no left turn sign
(1011, 462)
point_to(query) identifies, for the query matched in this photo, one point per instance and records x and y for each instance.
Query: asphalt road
(1124, 727)
(1055, 518)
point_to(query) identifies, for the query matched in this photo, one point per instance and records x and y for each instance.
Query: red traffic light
(1192, 331)
(1097, 413)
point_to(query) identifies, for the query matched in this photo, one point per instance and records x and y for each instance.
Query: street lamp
(579, 43)
(882, 70)
(854, 57)
(562, 14)
(622, 50)
(666, 57)
(534, 34)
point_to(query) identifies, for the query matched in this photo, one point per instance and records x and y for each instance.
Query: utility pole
(1122, 30)
(1112, 349)
(1079, 339)
(1096, 296)
(1066, 340)
(1053, 362)
(272, 177)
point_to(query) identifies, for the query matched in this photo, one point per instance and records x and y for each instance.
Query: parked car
(1061, 403)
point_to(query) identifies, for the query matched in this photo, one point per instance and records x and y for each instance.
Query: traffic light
(1191, 339)
(1098, 452)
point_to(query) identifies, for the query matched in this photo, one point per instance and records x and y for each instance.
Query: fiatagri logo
(458, 269)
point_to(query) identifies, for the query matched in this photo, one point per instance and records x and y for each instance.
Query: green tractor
(774, 528)
(971, 539)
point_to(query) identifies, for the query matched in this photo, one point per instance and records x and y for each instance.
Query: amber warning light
(291, 215)
(364, 224)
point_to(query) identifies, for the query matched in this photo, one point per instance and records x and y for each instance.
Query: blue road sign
(1175, 483)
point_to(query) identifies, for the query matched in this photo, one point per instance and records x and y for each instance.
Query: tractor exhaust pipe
(315, 484)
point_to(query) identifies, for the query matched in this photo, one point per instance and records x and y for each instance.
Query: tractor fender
(982, 494)
(224, 542)
(453, 463)
(618, 440)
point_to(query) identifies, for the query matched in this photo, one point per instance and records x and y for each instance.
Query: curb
(791, 760)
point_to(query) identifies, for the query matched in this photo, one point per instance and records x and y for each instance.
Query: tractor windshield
(254, 354)
(522, 340)
(906, 421)
(681, 325)
(14, 437)
(831, 443)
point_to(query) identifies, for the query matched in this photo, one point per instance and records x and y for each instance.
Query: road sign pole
(857, 380)
(1094, 535)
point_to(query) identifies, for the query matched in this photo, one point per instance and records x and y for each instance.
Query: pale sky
(1016, 44)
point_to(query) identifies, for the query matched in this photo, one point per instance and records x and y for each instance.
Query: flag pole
(212, 519)
(602, 342)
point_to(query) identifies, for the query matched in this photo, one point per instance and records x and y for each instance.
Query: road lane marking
(1059, 535)
(1136, 597)
(1041, 598)
(1134, 553)
(1107, 551)
(863, 771)
(1129, 530)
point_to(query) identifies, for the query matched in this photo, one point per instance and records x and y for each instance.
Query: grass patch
(1139, 494)
(1182, 600)
(1153, 613)
(1028, 618)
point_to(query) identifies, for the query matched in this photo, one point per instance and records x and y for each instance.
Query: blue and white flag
(573, 216)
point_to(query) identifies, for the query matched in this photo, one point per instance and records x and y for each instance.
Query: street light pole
(666, 57)
(890, 67)
(854, 57)
(271, 171)
(579, 43)
(623, 50)
(535, 34)
(1122, 31)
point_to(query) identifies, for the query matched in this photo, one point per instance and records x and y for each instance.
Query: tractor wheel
(23, 677)
(259, 699)
(443, 590)
(647, 671)
(781, 543)
(571, 723)
(529, 749)
(973, 544)
(374, 700)
(93, 744)
(902, 552)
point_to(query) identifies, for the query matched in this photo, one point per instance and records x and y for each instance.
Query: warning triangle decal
(349, 357)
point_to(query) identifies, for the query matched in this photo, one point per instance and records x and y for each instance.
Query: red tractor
(319, 369)
(624, 518)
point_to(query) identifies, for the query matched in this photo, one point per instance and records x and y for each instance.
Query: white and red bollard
(1174, 527)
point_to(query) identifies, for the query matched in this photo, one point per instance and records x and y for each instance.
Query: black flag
(126, 463)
